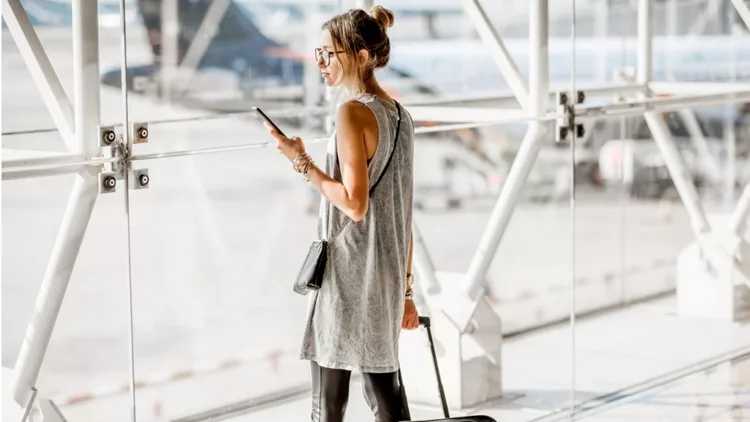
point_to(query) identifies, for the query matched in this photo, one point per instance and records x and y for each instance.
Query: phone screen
(270, 122)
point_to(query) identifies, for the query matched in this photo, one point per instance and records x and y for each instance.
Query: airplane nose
(112, 78)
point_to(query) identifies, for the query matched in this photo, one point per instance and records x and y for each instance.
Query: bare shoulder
(355, 114)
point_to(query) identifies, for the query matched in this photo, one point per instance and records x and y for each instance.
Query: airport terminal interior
(581, 199)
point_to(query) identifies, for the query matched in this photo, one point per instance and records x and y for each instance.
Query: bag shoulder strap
(395, 144)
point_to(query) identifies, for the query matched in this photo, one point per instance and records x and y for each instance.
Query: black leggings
(331, 393)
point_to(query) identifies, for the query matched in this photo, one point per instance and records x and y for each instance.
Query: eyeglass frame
(325, 58)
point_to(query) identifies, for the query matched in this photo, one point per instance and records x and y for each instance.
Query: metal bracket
(138, 179)
(566, 125)
(107, 136)
(139, 132)
(107, 182)
(50, 411)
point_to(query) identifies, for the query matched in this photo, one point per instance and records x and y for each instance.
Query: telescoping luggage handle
(407, 414)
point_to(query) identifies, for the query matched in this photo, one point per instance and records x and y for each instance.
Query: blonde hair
(353, 32)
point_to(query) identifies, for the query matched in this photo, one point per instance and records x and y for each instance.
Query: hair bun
(383, 16)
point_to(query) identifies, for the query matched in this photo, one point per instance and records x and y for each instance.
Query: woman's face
(330, 67)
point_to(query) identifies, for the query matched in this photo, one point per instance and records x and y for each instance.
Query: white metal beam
(644, 69)
(423, 263)
(40, 166)
(170, 46)
(527, 153)
(741, 213)
(201, 41)
(694, 88)
(80, 206)
(40, 68)
(55, 283)
(662, 104)
(702, 20)
(743, 10)
(495, 44)
(700, 143)
(462, 114)
(660, 131)
(25, 158)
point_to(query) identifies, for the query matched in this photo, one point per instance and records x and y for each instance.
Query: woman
(355, 319)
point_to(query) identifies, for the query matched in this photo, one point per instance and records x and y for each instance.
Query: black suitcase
(480, 418)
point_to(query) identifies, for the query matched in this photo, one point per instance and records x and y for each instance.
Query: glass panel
(217, 238)
(216, 243)
(85, 370)
(643, 289)
(86, 367)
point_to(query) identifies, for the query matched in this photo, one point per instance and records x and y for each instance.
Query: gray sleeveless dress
(354, 320)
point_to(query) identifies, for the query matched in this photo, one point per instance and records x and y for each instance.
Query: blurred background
(585, 282)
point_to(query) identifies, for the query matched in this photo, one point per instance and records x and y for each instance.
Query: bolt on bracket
(107, 182)
(139, 133)
(107, 136)
(138, 179)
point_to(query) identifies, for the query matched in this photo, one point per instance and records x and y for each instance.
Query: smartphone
(267, 119)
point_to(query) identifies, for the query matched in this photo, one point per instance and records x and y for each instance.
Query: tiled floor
(719, 394)
(614, 351)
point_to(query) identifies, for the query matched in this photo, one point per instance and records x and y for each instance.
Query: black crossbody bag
(310, 276)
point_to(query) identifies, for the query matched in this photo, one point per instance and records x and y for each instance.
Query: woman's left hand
(290, 148)
(410, 319)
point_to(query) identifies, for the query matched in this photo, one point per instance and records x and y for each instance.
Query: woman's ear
(363, 57)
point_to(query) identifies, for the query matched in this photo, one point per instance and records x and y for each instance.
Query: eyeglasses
(321, 55)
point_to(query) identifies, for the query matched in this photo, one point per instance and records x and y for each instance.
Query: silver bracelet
(295, 163)
(307, 167)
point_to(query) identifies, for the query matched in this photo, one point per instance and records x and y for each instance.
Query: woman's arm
(409, 277)
(352, 194)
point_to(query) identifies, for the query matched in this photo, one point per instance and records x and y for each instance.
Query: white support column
(601, 31)
(41, 69)
(743, 10)
(700, 143)
(741, 213)
(423, 263)
(659, 129)
(313, 92)
(170, 48)
(702, 20)
(80, 206)
(527, 154)
(466, 325)
(495, 44)
(644, 69)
